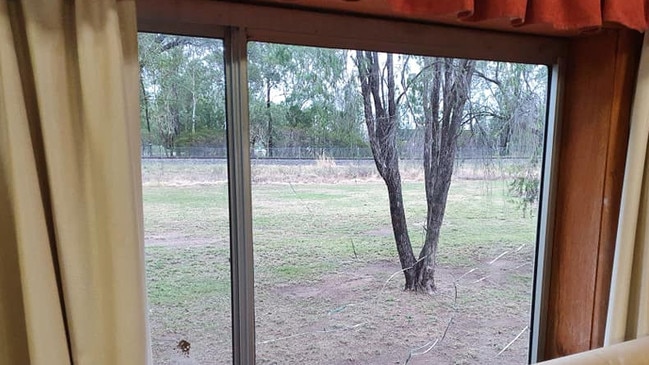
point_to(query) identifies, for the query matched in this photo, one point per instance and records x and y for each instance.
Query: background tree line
(308, 100)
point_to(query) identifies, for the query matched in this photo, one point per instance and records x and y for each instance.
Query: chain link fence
(315, 153)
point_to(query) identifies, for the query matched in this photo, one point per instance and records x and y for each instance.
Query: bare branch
(487, 78)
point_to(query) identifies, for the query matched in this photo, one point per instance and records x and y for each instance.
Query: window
(185, 192)
(328, 279)
(274, 276)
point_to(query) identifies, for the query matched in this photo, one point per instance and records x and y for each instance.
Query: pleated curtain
(72, 285)
(580, 15)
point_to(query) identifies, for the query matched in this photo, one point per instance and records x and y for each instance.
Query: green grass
(186, 274)
(296, 225)
(309, 232)
(321, 221)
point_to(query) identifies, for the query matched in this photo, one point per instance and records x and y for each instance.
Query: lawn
(327, 285)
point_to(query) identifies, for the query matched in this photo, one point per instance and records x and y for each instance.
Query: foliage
(507, 109)
(302, 96)
(524, 188)
(309, 98)
(181, 93)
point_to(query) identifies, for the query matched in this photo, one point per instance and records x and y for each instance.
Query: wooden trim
(597, 101)
(628, 49)
(265, 23)
(186, 29)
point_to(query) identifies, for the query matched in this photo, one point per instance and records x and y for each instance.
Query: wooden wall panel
(598, 88)
(628, 55)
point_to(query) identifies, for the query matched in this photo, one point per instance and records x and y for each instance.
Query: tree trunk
(193, 104)
(503, 139)
(381, 121)
(449, 86)
(145, 99)
(400, 227)
(270, 144)
(425, 270)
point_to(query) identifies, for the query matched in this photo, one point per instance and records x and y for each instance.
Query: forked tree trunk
(448, 86)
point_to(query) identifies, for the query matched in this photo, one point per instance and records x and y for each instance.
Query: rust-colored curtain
(568, 15)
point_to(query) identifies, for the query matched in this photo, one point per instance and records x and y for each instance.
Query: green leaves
(182, 91)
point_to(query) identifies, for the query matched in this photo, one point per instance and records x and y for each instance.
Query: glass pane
(362, 164)
(184, 177)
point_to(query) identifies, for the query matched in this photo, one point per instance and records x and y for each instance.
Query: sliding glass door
(185, 192)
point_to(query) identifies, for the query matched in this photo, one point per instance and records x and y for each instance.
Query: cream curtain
(628, 313)
(71, 248)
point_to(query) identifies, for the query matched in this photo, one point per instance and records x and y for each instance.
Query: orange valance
(564, 15)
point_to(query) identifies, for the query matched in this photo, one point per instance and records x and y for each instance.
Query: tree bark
(381, 121)
(446, 93)
(270, 143)
(451, 84)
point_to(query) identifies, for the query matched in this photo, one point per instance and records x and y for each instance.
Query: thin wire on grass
(376, 297)
(303, 202)
(414, 352)
(521, 265)
(399, 272)
(498, 257)
(346, 328)
(514, 340)
(467, 273)
(481, 279)
(431, 344)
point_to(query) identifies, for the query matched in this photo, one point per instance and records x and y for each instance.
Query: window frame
(238, 24)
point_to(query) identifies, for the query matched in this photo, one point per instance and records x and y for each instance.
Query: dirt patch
(359, 314)
(359, 317)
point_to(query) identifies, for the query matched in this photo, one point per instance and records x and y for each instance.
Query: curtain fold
(580, 15)
(628, 312)
(72, 257)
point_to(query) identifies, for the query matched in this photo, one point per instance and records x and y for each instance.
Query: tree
(380, 111)
(181, 91)
(312, 101)
(268, 64)
(444, 92)
(447, 93)
(510, 109)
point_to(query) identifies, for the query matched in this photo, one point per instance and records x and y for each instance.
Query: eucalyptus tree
(509, 107)
(181, 91)
(296, 98)
(444, 87)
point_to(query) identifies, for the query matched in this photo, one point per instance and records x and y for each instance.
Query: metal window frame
(240, 197)
(545, 225)
(238, 23)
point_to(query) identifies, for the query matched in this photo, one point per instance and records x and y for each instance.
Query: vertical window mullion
(546, 214)
(241, 256)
